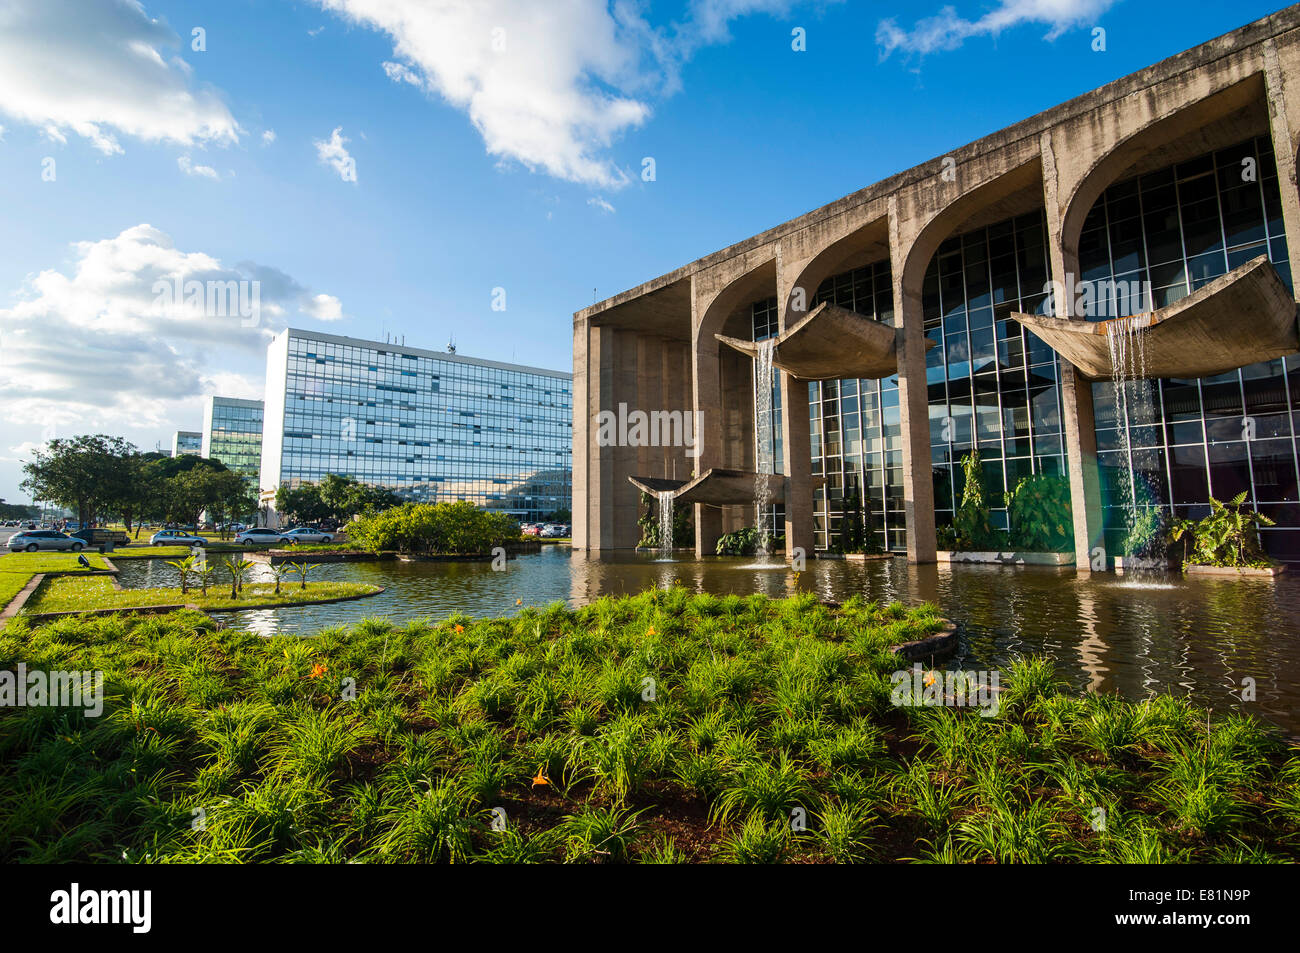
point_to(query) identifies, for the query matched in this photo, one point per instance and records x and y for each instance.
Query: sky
(467, 170)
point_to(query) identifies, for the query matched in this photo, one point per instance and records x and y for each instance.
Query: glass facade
(429, 426)
(187, 442)
(1168, 233)
(232, 433)
(996, 387)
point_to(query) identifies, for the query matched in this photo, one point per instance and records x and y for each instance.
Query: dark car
(102, 537)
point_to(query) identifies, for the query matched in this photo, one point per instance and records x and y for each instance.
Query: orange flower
(460, 629)
(318, 670)
(541, 778)
(519, 602)
(652, 631)
(929, 679)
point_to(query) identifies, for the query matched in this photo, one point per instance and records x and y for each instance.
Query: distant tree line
(104, 477)
(335, 497)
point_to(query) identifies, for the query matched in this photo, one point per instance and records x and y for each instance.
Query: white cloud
(946, 30)
(334, 153)
(268, 137)
(203, 171)
(323, 307)
(95, 70)
(548, 85)
(598, 201)
(122, 337)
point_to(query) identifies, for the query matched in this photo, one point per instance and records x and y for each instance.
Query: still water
(1200, 636)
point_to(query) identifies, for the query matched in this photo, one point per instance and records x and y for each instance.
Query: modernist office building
(187, 442)
(232, 433)
(902, 319)
(430, 426)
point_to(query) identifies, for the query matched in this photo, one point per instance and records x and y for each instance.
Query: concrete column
(796, 457)
(1077, 420)
(706, 396)
(1284, 151)
(913, 400)
(582, 416)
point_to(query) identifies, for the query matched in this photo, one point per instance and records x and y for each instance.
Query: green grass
(17, 569)
(660, 728)
(70, 594)
(135, 551)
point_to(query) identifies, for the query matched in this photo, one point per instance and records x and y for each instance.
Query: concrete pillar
(913, 399)
(581, 417)
(1077, 420)
(1280, 108)
(796, 456)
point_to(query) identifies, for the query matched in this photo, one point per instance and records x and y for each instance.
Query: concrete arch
(1014, 192)
(863, 245)
(1202, 125)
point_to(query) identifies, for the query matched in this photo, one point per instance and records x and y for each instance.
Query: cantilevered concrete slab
(1240, 318)
(715, 487)
(830, 343)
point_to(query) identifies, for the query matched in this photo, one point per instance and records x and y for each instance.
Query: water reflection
(1197, 635)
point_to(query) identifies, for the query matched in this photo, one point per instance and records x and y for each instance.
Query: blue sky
(483, 160)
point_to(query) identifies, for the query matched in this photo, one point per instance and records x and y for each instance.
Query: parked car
(258, 536)
(305, 534)
(44, 539)
(175, 537)
(531, 529)
(101, 537)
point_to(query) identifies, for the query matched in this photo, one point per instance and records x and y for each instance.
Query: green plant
(184, 567)
(744, 542)
(972, 525)
(239, 569)
(1229, 536)
(1038, 514)
(302, 570)
(683, 525)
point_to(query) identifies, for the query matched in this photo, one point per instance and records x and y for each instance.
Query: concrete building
(913, 321)
(430, 426)
(232, 433)
(187, 442)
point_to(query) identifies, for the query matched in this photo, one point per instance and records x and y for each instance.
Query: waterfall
(665, 524)
(763, 440)
(1134, 408)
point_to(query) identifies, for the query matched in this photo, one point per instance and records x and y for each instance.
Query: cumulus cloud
(333, 152)
(202, 171)
(946, 30)
(99, 70)
(137, 324)
(548, 85)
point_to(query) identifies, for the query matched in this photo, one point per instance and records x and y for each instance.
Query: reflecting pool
(1197, 635)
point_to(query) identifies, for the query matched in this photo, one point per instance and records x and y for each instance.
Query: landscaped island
(665, 727)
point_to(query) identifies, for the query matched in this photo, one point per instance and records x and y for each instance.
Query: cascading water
(1134, 413)
(763, 440)
(665, 524)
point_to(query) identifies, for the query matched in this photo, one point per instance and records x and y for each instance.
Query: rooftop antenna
(451, 344)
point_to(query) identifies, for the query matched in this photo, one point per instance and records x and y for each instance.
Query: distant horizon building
(187, 443)
(428, 425)
(232, 433)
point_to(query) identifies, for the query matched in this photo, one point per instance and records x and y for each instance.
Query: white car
(44, 539)
(259, 536)
(175, 537)
(305, 534)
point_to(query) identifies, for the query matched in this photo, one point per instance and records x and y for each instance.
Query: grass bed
(135, 551)
(70, 594)
(17, 569)
(534, 739)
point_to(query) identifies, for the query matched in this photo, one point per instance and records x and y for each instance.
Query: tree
(86, 472)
